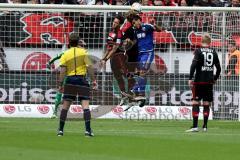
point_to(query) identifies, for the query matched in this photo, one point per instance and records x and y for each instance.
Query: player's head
(130, 14)
(232, 46)
(235, 3)
(137, 21)
(136, 9)
(81, 43)
(206, 39)
(73, 40)
(117, 22)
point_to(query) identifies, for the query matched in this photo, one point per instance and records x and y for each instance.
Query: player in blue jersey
(144, 39)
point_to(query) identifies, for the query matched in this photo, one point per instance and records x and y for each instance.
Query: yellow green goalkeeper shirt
(75, 60)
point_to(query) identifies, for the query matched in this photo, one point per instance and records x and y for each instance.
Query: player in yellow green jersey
(58, 98)
(74, 66)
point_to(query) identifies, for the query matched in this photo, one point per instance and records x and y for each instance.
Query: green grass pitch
(35, 139)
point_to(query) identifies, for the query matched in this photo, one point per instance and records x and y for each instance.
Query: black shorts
(202, 92)
(76, 86)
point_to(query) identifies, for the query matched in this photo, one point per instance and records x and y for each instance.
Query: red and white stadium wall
(106, 112)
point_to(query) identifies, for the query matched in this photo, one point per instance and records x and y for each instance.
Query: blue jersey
(144, 36)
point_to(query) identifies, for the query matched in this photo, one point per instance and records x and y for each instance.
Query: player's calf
(206, 110)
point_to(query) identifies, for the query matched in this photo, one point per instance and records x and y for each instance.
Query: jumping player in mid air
(205, 58)
(131, 53)
(116, 56)
(144, 39)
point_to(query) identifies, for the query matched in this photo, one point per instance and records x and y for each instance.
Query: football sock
(87, 118)
(195, 113)
(206, 111)
(131, 82)
(58, 100)
(140, 85)
(63, 117)
(121, 83)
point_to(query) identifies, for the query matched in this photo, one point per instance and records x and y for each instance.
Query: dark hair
(73, 40)
(130, 14)
(120, 18)
(137, 17)
(232, 42)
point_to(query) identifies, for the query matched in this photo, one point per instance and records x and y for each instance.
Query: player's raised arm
(108, 54)
(57, 57)
(158, 28)
(114, 38)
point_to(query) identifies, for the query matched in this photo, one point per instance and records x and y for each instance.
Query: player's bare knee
(195, 103)
(206, 103)
(66, 104)
(85, 104)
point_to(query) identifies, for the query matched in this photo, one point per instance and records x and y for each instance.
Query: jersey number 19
(208, 58)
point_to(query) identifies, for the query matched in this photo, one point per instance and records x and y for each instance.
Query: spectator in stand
(182, 3)
(169, 3)
(3, 1)
(32, 2)
(13, 1)
(232, 71)
(234, 3)
(45, 1)
(97, 2)
(196, 4)
(86, 2)
(119, 2)
(146, 3)
(217, 3)
(207, 3)
(70, 1)
(53, 2)
(157, 3)
(233, 67)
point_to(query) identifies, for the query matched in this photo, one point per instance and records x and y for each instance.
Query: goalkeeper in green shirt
(58, 98)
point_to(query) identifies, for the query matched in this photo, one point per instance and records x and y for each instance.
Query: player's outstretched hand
(94, 84)
(190, 83)
(48, 67)
(152, 21)
(102, 63)
(60, 89)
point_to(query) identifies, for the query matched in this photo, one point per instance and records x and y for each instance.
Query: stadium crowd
(212, 3)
